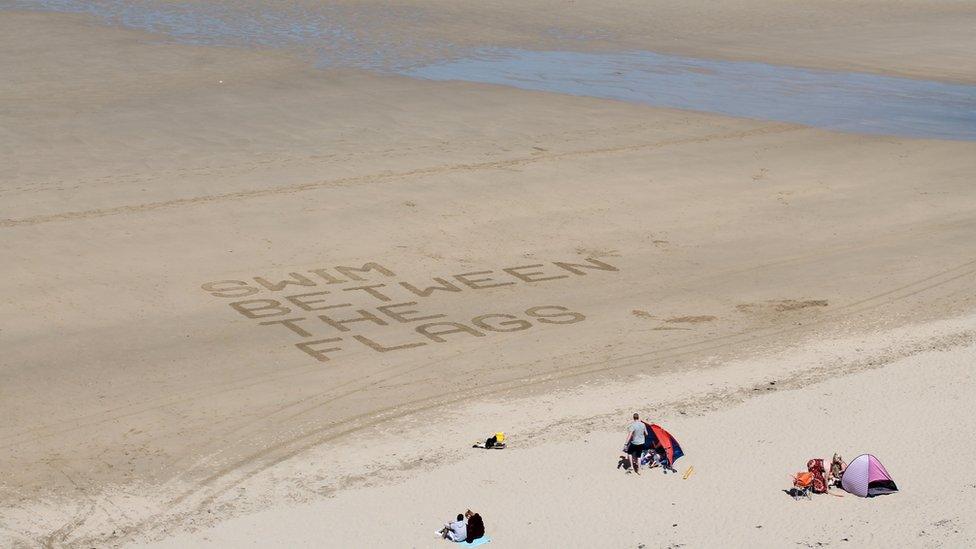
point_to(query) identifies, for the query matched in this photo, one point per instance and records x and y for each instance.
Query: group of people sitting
(644, 448)
(468, 527)
(813, 480)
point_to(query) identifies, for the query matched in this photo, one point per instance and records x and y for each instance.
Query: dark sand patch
(690, 319)
(781, 305)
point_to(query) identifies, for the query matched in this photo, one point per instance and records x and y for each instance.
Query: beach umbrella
(662, 438)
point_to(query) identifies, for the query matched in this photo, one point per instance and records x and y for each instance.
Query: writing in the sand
(317, 307)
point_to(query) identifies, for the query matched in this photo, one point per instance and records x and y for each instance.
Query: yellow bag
(499, 437)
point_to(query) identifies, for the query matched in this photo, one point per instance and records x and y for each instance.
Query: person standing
(636, 438)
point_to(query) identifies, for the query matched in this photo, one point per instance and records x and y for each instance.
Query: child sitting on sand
(655, 457)
(837, 468)
(651, 458)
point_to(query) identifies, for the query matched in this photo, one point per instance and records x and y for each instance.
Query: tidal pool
(337, 35)
(843, 101)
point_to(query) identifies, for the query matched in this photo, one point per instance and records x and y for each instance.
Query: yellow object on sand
(688, 472)
(499, 437)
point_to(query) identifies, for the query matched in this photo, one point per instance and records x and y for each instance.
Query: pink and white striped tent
(866, 477)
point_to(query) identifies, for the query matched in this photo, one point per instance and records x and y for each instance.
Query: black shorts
(635, 449)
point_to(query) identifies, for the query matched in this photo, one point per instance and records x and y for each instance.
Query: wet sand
(149, 185)
(929, 39)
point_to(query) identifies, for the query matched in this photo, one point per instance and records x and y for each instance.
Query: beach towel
(816, 468)
(480, 541)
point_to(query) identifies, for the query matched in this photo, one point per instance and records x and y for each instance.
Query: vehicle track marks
(213, 486)
(381, 177)
(913, 232)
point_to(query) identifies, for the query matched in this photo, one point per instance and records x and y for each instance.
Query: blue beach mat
(480, 541)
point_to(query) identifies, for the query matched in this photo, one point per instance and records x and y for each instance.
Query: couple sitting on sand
(643, 447)
(468, 527)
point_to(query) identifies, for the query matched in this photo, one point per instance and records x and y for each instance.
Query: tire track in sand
(126, 411)
(381, 177)
(315, 402)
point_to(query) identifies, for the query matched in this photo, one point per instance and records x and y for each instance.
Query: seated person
(657, 456)
(476, 527)
(837, 468)
(455, 531)
(651, 458)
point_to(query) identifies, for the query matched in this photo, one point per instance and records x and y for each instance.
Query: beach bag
(498, 439)
(816, 468)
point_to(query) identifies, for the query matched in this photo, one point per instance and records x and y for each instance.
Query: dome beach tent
(663, 438)
(866, 477)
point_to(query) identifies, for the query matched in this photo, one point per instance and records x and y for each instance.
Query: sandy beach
(557, 486)
(248, 298)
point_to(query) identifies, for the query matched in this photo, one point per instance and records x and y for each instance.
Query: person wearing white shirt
(636, 439)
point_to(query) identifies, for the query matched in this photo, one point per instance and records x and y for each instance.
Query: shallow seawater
(843, 101)
(334, 34)
(344, 36)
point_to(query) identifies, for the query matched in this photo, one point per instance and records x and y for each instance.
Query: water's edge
(840, 101)
(338, 36)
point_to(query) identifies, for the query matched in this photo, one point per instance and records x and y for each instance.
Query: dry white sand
(902, 395)
(135, 173)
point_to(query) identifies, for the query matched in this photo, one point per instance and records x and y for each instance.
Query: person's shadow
(624, 463)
